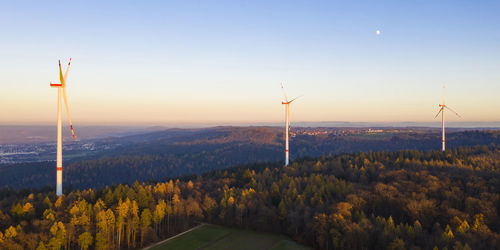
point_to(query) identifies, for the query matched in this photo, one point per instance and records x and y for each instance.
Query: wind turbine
(287, 121)
(441, 110)
(61, 88)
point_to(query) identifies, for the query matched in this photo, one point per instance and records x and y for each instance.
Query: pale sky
(163, 62)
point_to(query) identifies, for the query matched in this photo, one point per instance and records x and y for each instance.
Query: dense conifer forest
(373, 200)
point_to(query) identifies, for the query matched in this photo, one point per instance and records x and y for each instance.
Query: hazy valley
(170, 153)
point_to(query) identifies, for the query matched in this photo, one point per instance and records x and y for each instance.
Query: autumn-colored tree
(209, 206)
(122, 211)
(133, 222)
(159, 214)
(146, 218)
(59, 235)
(85, 240)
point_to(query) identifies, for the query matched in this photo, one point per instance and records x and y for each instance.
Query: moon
(377, 32)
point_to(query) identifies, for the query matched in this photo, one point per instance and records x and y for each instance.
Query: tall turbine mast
(287, 123)
(61, 89)
(441, 110)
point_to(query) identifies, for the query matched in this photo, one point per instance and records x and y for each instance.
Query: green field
(218, 237)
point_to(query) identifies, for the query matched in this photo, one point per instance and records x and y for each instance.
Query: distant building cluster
(14, 153)
(336, 131)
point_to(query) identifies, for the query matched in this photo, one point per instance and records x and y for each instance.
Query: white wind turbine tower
(287, 122)
(61, 86)
(441, 110)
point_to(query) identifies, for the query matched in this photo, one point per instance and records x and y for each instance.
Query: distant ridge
(18, 134)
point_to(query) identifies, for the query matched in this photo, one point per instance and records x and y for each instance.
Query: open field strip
(209, 236)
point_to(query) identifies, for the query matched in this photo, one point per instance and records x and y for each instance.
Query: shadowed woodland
(377, 200)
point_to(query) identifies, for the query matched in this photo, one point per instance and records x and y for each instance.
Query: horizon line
(263, 123)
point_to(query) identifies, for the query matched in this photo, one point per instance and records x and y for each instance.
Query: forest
(369, 200)
(178, 153)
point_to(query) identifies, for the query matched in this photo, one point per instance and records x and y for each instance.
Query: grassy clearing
(218, 237)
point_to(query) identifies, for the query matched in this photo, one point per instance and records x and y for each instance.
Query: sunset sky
(163, 62)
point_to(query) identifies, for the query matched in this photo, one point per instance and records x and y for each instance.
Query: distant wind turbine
(287, 122)
(441, 110)
(62, 85)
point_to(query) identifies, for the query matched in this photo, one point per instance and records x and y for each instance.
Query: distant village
(339, 131)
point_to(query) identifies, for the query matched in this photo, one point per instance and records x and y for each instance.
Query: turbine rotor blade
(61, 78)
(284, 93)
(440, 110)
(453, 111)
(67, 110)
(66, 73)
(295, 98)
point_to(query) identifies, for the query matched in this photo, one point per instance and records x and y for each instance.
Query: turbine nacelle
(55, 85)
